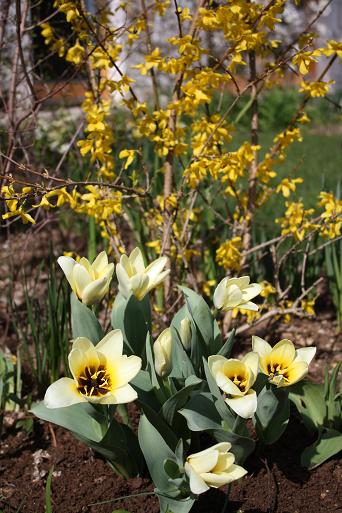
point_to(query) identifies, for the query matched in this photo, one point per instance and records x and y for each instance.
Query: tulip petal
(197, 485)
(82, 278)
(249, 306)
(124, 281)
(295, 373)
(251, 359)
(100, 264)
(233, 298)
(139, 284)
(251, 291)
(123, 370)
(62, 393)
(111, 346)
(244, 406)
(217, 480)
(241, 282)
(155, 268)
(305, 354)
(216, 363)
(220, 293)
(125, 394)
(87, 265)
(283, 353)
(225, 460)
(260, 346)
(87, 358)
(67, 265)
(157, 281)
(226, 384)
(136, 260)
(94, 292)
(204, 461)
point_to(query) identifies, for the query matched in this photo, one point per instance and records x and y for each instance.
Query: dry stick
(252, 173)
(169, 164)
(150, 50)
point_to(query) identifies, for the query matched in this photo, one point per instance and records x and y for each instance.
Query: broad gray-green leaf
(181, 364)
(82, 419)
(121, 448)
(272, 414)
(309, 400)
(242, 446)
(328, 444)
(84, 322)
(156, 451)
(133, 318)
(178, 400)
(201, 316)
(226, 349)
(170, 505)
(201, 413)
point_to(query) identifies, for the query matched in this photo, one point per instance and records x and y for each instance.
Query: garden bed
(275, 482)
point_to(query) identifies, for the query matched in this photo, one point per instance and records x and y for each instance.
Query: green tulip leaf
(328, 444)
(133, 318)
(309, 400)
(203, 319)
(178, 400)
(170, 505)
(272, 414)
(200, 413)
(84, 322)
(156, 451)
(82, 419)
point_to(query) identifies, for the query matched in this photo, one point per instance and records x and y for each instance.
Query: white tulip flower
(90, 282)
(283, 364)
(162, 349)
(135, 278)
(213, 467)
(100, 374)
(185, 333)
(235, 378)
(236, 293)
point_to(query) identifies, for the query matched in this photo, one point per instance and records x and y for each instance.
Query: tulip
(213, 467)
(236, 378)
(100, 374)
(185, 333)
(283, 364)
(162, 349)
(135, 278)
(90, 282)
(236, 293)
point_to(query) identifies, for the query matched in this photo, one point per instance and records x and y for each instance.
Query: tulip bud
(162, 349)
(185, 333)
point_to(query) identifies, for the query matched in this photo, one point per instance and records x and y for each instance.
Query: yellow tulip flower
(235, 378)
(185, 333)
(90, 282)
(213, 467)
(100, 374)
(283, 364)
(135, 278)
(236, 293)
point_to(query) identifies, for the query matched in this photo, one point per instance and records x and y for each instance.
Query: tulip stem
(225, 504)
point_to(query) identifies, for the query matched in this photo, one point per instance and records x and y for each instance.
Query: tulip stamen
(276, 370)
(240, 382)
(94, 382)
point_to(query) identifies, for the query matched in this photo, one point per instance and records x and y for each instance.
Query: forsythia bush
(172, 101)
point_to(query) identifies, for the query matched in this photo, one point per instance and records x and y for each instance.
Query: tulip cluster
(187, 371)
